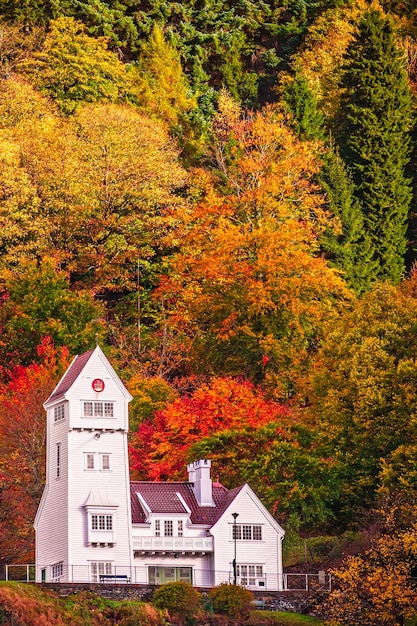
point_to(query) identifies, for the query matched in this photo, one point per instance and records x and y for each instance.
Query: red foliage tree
(159, 449)
(22, 448)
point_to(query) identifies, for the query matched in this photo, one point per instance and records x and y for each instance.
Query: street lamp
(234, 515)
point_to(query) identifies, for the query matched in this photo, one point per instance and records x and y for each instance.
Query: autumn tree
(37, 301)
(22, 227)
(50, 198)
(322, 52)
(378, 586)
(164, 88)
(281, 462)
(375, 138)
(22, 448)
(160, 447)
(150, 395)
(133, 172)
(363, 390)
(73, 67)
(248, 288)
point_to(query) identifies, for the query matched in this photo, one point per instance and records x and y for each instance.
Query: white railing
(173, 544)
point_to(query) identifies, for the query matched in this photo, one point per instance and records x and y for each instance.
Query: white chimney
(199, 474)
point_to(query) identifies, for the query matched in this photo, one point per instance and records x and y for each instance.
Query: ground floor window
(250, 575)
(98, 569)
(162, 575)
(57, 570)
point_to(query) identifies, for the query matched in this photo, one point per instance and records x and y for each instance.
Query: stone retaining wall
(273, 600)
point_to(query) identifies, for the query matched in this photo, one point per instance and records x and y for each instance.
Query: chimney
(199, 474)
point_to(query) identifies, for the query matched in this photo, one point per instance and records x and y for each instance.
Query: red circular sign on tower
(97, 384)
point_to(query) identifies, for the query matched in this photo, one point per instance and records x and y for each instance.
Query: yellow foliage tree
(323, 50)
(163, 86)
(133, 171)
(72, 67)
(376, 588)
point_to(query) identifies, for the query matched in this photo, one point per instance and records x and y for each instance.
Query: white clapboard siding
(267, 552)
(62, 522)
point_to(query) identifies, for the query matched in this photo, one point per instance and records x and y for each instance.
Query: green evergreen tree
(375, 138)
(348, 248)
(301, 102)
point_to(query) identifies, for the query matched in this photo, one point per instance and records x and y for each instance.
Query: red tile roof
(163, 498)
(71, 375)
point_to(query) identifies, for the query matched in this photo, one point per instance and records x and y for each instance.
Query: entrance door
(158, 575)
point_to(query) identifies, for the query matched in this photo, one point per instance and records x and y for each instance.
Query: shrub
(139, 614)
(179, 599)
(231, 600)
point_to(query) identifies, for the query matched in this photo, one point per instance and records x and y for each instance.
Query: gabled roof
(163, 498)
(70, 376)
(75, 370)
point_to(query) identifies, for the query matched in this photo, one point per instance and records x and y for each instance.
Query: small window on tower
(88, 409)
(58, 460)
(59, 413)
(105, 461)
(89, 461)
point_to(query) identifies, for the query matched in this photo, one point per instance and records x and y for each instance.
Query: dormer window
(102, 522)
(98, 409)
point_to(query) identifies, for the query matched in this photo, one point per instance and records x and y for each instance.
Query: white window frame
(157, 528)
(105, 461)
(98, 568)
(98, 409)
(102, 522)
(246, 532)
(180, 528)
(250, 574)
(89, 461)
(168, 528)
(59, 413)
(57, 570)
(58, 460)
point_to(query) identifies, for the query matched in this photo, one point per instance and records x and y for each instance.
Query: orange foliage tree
(160, 446)
(22, 449)
(248, 288)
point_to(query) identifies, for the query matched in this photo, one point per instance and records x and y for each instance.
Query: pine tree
(375, 138)
(348, 248)
(301, 102)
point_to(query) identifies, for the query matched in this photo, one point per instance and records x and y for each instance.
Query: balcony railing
(174, 544)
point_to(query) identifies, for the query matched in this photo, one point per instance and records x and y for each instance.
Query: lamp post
(234, 515)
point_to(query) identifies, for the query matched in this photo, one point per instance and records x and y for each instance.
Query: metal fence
(139, 575)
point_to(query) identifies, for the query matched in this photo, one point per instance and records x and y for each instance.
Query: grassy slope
(29, 605)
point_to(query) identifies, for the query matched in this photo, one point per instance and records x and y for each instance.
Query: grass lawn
(290, 619)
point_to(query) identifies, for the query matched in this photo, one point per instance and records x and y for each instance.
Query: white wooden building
(94, 525)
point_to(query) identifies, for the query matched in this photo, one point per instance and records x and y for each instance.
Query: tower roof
(70, 376)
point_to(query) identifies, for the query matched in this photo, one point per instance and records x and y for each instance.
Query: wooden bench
(114, 578)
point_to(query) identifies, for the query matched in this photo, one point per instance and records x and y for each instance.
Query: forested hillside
(225, 195)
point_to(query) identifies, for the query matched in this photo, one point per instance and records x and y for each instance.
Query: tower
(83, 523)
